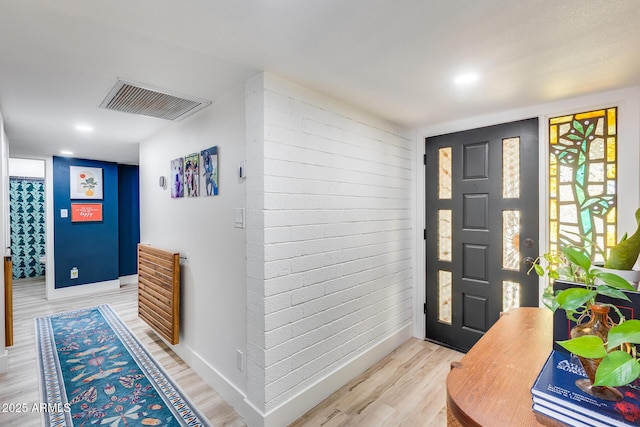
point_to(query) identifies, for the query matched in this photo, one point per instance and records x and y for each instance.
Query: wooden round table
(491, 385)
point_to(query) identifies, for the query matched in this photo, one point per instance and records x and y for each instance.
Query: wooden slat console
(159, 291)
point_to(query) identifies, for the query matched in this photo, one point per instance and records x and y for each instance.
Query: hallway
(405, 388)
(20, 385)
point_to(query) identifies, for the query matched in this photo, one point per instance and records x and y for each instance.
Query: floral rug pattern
(95, 372)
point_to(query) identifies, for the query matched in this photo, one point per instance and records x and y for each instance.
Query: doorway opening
(27, 219)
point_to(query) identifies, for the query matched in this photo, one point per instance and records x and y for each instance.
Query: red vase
(599, 324)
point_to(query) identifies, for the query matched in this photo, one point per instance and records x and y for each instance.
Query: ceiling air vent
(136, 99)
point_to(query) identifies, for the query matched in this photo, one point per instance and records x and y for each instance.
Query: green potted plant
(624, 255)
(610, 349)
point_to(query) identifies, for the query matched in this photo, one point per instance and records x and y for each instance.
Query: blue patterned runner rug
(93, 371)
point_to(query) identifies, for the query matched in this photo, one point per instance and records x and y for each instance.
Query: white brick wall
(333, 261)
(256, 303)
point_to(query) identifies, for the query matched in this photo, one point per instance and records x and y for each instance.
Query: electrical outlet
(238, 217)
(74, 273)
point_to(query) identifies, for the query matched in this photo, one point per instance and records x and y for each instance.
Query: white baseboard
(129, 280)
(304, 401)
(89, 288)
(4, 362)
(300, 404)
(229, 392)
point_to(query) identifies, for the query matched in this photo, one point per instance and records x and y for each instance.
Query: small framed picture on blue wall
(85, 182)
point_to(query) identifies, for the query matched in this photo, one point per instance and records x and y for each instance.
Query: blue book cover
(566, 415)
(561, 414)
(556, 384)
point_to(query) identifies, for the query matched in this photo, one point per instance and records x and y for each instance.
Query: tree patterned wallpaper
(27, 226)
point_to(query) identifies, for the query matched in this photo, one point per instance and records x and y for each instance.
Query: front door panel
(482, 225)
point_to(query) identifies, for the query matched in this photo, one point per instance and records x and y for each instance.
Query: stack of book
(556, 395)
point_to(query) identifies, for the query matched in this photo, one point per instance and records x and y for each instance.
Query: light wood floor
(405, 388)
(20, 385)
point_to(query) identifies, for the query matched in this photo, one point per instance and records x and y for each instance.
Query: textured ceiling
(397, 59)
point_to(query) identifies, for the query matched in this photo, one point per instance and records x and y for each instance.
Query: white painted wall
(213, 297)
(628, 101)
(4, 233)
(330, 244)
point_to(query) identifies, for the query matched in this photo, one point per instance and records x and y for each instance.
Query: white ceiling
(395, 58)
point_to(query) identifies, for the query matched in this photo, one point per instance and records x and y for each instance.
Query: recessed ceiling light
(66, 152)
(84, 128)
(464, 79)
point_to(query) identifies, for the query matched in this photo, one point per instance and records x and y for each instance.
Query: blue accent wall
(92, 247)
(129, 218)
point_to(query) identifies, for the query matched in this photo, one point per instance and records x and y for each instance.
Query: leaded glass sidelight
(444, 176)
(582, 179)
(444, 234)
(511, 240)
(444, 296)
(510, 295)
(511, 168)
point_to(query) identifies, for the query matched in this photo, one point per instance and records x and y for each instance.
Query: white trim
(543, 197)
(50, 265)
(216, 380)
(129, 280)
(417, 330)
(86, 289)
(4, 362)
(420, 268)
(304, 401)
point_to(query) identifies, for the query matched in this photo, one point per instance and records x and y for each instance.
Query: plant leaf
(539, 270)
(573, 298)
(613, 280)
(550, 302)
(589, 346)
(617, 369)
(577, 257)
(627, 331)
(589, 130)
(611, 292)
(576, 124)
(565, 271)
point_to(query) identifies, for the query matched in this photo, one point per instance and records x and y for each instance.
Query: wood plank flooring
(406, 388)
(20, 385)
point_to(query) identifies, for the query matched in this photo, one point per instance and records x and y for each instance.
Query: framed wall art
(209, 168)
(177, 178)
(85, 182)
(86, 212)
(192, 175)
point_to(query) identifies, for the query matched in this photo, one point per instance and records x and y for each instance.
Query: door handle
(529, 261)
